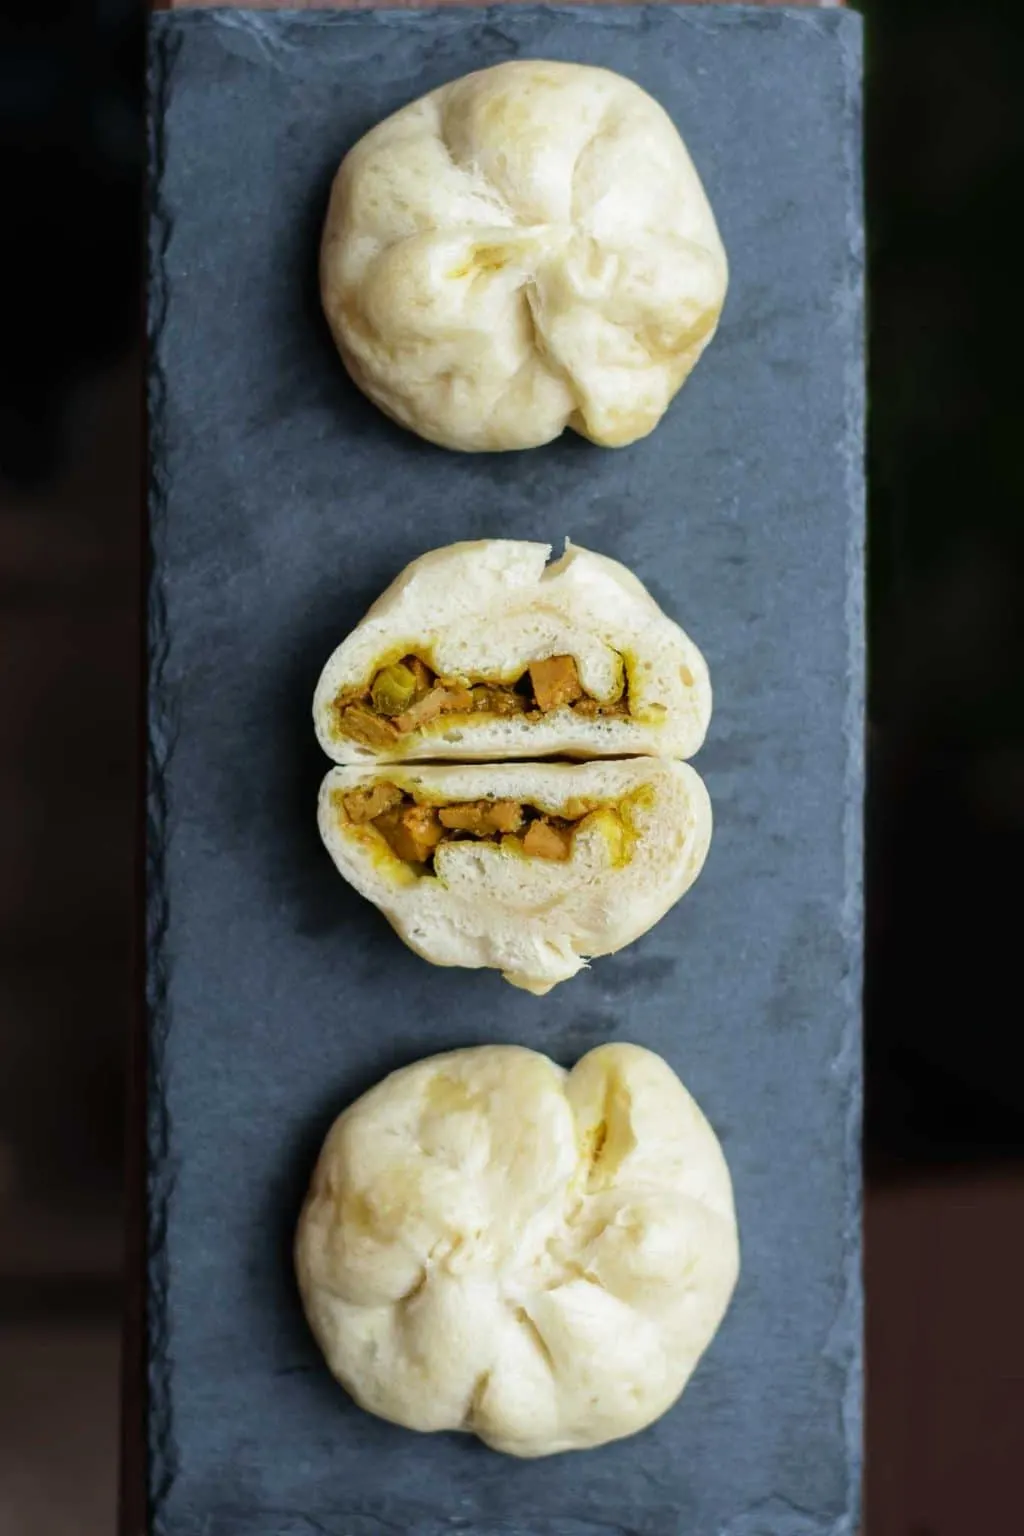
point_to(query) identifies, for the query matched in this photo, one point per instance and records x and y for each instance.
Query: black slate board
(281, 504)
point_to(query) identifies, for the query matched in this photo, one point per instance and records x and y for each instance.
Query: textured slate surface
(281, 504)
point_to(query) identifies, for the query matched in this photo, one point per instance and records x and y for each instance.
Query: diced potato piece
(393, 689)
(412, 833)
(439, 701)
(471, 817)
(360, 723)
(609, 823)
(363, 805)
(505, 815)
(555, 682)
(617, 693)
(483, 817)
(543, 841)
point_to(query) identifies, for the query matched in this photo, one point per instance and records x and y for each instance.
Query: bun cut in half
(482, 651)
(529, 868)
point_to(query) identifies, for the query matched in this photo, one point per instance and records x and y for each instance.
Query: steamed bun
(487, 608)
(538, 1257)
(640, 835)
(525, 249)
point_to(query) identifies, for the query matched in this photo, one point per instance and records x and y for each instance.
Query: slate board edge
(162, 1465)
(848, 1335)
(846, 1340)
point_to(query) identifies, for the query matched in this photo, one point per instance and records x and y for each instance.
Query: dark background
(944, 1114)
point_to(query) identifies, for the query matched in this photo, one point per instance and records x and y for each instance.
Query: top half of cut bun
(478, 615)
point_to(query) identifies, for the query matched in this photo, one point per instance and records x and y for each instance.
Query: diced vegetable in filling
(413, 832)
(555, 682)
(437, 701)
(393, 689)
(483, 817)
(547, 840)
(360, 723)
(407, 695)
(364, 805)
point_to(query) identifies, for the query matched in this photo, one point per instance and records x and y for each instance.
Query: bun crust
(524, 249)
(537, 1257)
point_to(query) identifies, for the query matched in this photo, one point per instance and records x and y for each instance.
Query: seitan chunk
(439, 701)
(544, 841)
(555, 682)
(412, 833)
(483, 817)
(359, 722)
(363, 805)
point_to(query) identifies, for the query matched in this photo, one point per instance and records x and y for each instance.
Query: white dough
(538, 1257)
(524, 249)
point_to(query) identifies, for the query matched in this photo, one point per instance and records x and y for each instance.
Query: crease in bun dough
(456, 658)
(537, 1257)
(525, 249)
(529, 868)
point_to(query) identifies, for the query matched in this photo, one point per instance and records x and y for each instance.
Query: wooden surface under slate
(281, 502)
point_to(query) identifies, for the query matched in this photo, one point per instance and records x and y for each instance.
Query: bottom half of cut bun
(529, 868)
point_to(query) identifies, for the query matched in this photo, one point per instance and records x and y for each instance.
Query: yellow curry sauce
(414, 825)
(407, 695)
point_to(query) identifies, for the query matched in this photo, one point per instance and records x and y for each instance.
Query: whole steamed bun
(525, 249)
(538, 1257)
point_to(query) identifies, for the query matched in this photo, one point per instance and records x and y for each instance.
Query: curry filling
(407, 695)
(414, 830)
